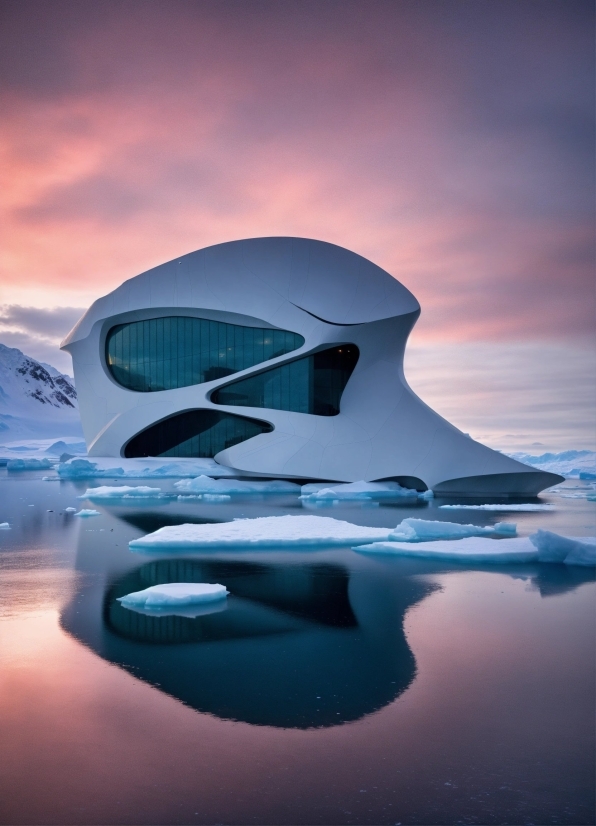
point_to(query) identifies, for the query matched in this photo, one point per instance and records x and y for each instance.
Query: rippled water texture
(334, 688)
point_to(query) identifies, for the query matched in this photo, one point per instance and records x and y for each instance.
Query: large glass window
(313, 384)
(194, 434)
(178, 351)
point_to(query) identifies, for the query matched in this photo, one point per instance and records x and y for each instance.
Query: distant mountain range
(573, 464)
(36, 400)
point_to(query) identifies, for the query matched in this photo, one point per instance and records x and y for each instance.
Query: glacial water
(332, 687)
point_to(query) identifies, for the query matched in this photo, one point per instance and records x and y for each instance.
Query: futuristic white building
(281, 357)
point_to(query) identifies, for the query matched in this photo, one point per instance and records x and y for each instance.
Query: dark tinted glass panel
(313, 384)
(194, 434)
(177, 351)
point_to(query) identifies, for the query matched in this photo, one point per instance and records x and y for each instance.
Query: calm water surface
(335, 687)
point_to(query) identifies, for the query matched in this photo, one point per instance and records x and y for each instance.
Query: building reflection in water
(304, 642)
(307, 639)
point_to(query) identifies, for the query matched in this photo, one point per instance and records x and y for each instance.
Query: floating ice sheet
(542, 546)
(106, 493)
(102, 468)
(4, 526)
(69, 510)
(207, 485)
(264, 532)
(503, 507)
(175, 595)
(87, 512)
(421, 530)
(355, 491)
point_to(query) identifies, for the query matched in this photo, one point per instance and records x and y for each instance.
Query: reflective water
(334, 688)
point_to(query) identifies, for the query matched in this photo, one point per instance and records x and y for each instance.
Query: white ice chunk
(69, 510)
(121, 492)
(356, 490)
(205, 484)
(263, 532)
(540, 547)
(570, 550)
(421, 530)
(4, 526)
(174, 595)
(87, 512)
(503, 507)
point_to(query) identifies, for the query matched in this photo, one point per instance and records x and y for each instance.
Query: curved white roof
(258, 274)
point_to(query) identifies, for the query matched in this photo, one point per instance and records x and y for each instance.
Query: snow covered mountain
(35, 399)
(570, 463)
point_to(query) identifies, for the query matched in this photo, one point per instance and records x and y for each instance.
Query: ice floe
(504, 507)
(87, 512)
(4, 526)
(205, 497)
(69, 510)
(318, 491)
(263, 532)
(207, 485)
(542, 546)
(422, 530)
(176, 595)
(102, 467)
(29, 464)
(106, 493)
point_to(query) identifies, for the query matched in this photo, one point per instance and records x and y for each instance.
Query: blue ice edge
(542, 546)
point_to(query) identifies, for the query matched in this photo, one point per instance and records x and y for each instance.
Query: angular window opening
(194, 434)
(313, 384)
(179, 351)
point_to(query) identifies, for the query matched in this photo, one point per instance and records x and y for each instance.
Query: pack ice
(121, 492)
(263, 532)
(542, 546)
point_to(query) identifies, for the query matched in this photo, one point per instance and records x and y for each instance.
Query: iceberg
(542, 546)
(421, 530)
(262, 533)
(69, 510)
(121, 492)
(28, 464)
(207, 485)
(529, 508)
(356, 490)
(4, 526)
(150, 468)
(87, 512)
(175, 595)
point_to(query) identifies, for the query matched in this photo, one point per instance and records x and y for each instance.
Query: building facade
(281, 357)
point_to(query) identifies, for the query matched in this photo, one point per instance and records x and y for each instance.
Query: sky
(449, 141)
